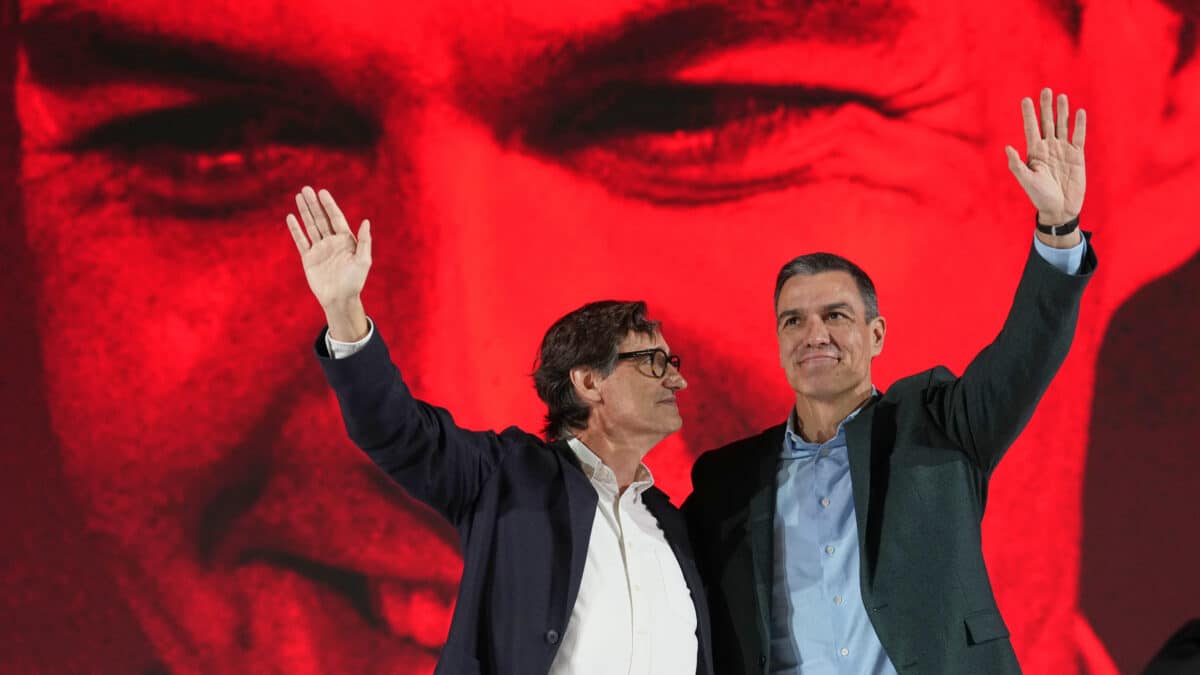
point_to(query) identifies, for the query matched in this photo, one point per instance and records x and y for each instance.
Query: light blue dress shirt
(819, 625)
(818, 622)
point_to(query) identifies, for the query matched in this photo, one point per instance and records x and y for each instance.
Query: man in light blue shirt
(847, 540)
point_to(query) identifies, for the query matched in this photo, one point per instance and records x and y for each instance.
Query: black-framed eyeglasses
(656, 358)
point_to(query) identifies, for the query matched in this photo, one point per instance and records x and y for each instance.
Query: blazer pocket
(985, 626)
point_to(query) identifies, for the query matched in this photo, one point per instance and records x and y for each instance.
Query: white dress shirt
(634, 614)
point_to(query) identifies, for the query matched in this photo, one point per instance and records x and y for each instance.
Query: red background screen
(178, 492)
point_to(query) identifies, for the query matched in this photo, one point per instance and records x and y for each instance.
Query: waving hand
(335, 261)
(1053, 174)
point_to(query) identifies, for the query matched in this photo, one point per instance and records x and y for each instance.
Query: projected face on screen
(516, 159)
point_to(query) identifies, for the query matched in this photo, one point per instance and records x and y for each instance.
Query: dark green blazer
(920, 458)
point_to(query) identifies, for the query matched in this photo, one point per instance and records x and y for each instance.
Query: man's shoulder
(739, 455)
(526, 448)
(658, 501)
(914, 386)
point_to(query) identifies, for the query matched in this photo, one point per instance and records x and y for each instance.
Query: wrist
(1069, 240)
(347, 320)
(1057, 230)
(1054, 219)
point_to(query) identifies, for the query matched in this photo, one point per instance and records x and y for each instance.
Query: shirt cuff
(1067, 260)
(340, 350)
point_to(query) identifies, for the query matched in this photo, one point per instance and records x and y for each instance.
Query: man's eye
(684, 143)
(211, 159)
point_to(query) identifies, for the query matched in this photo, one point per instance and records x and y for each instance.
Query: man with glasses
(573, 561)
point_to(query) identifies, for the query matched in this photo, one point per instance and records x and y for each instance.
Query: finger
(310, 223)
(364, 242)
(340, 226)
(1031, 126)
(1061, 118)
(1018, 168)
(1047, 113)
(318, 213)
(298, 236)
(1080, 129)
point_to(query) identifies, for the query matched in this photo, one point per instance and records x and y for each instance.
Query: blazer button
(551, 637)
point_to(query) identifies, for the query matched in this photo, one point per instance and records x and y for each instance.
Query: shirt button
(829, 550)
(825, 502)
(637, 588)
(844, 652)
(837, 599)
(824, 453)
(551, 637)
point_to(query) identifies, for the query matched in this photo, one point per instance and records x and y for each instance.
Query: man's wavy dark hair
(588, 337)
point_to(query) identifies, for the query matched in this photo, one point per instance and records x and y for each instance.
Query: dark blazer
(523, 509)
(920, 458)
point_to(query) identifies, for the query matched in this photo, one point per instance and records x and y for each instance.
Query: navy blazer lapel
(581, 504)
(674, 529)
(761, 525)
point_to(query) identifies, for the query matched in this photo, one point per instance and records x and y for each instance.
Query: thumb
(1016, 166)
(363, 250)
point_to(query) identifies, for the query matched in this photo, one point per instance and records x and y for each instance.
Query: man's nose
(817, 335)
(673, 380)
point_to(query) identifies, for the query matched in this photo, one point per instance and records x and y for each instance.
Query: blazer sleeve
(415, 443)
(985, 410)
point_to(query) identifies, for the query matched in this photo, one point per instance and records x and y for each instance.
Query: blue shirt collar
(794, 445)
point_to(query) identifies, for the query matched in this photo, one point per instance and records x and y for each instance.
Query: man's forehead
(508, 41)
(813, 292)
(540, 28)
(309, 29)
(549, 16)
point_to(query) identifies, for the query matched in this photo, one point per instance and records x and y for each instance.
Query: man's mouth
(817, 359)
(401, 580)
(413, 610)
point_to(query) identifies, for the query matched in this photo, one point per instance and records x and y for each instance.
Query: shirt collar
(794, 445)
(598, 472)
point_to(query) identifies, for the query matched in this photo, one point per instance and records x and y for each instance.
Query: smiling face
(160, 149)
(826, 341)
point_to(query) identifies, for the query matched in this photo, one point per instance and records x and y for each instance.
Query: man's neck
(622, 456)
(818, 419)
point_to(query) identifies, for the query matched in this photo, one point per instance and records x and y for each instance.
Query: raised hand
(335, 262)
(1053, 175)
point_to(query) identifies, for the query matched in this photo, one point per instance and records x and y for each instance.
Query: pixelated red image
(181, 493)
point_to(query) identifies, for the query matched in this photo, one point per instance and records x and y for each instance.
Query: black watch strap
(1057, 230)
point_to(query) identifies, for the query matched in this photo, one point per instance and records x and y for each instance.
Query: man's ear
(587, 384)
(878, 327)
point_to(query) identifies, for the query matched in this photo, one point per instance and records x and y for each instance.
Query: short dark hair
(816, 263)
(587, 337)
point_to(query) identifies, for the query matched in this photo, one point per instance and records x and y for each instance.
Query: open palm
(335, 261)
(1053, 175)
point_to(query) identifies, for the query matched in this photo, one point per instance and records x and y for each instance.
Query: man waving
(847, 538)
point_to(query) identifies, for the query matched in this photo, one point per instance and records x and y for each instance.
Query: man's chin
(820, 389)
(258, 618)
